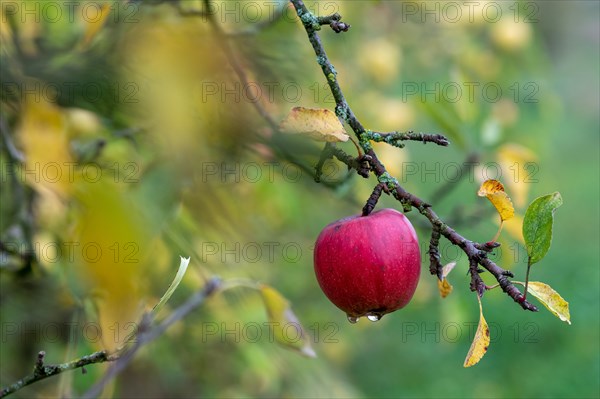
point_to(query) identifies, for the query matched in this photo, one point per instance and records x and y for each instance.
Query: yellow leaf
(109, 245)
(319, 124)
(287, 329)
(444, 285)
(494, 191)
(550, 299)
(481, 341)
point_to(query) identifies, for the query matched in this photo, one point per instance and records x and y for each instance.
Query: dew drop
(352, 319)
(373, 317)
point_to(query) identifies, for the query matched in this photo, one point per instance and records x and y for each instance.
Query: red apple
(368, 265)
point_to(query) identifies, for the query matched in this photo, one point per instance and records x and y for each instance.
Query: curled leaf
(444, 285)
(494, 191)
(183, 264)
(550, 299)
(537, 225)
(286, 328)
(319, 124)
(481, 341)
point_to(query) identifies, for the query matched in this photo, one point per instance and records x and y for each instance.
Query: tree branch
(41, 371)
(334, 20)
(24, 197)
(470, 248)
(145, 334)
(396, 138)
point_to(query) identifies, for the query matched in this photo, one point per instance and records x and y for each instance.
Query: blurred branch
(145, 334)
(476, 214)
(41, 371)
(9, 148)
(242, 76)
(234, 62)
(476, 253)
(23, 196)
(262, 25)
(465, 170)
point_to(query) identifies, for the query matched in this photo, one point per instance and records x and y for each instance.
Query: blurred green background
(141, 144)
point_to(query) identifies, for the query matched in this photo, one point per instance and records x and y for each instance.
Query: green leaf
(537, 225)
(178, 277)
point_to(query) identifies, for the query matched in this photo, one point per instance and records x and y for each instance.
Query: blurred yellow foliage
(380, 59)
(111, 246)
(519, 165)
(510, 35)
(43, 134)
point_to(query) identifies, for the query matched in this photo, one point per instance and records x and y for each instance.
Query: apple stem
(372, 201)
(435, 265)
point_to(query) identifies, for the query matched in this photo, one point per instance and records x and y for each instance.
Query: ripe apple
(368, 265)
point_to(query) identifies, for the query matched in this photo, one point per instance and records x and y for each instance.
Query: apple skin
(368, 265)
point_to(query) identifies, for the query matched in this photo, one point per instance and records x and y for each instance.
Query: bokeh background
(129, 139)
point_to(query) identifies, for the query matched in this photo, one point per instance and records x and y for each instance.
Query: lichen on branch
(477, 253)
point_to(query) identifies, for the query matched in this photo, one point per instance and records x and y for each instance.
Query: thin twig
(396, 138)
(477, 284)
(42, 371)
(235, 64)
(146, 333)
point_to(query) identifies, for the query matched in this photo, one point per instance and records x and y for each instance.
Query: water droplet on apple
(352, 319)
(373, 317)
